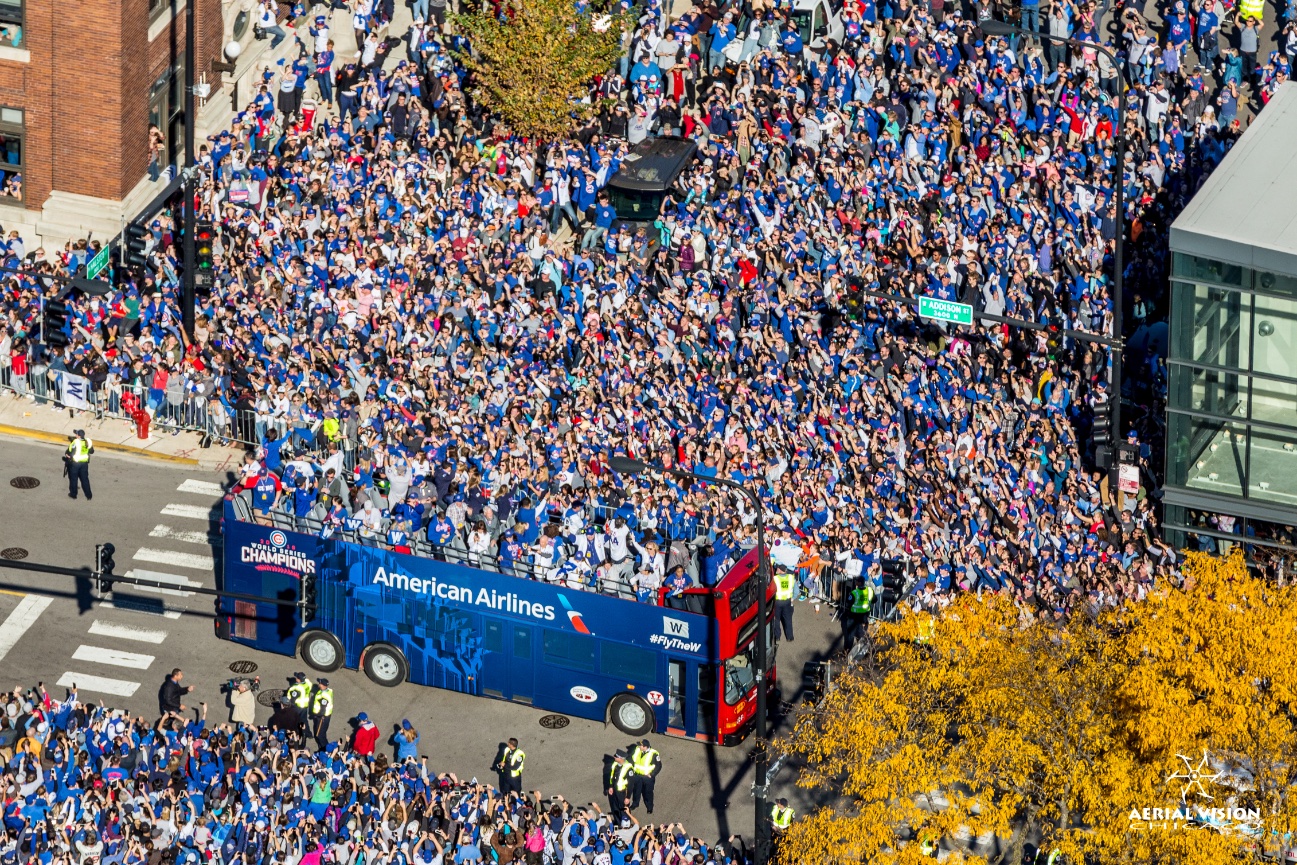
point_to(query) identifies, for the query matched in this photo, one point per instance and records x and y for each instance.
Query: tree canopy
(532, 65)
(1062, 733)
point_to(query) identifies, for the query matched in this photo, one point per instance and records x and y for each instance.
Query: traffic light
(55, 314)
(204, 240)
(136, 256)
(310, 598)
(1101, 432)
(894, 578)
(104, 565)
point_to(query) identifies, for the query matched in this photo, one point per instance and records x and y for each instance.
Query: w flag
(76, 392)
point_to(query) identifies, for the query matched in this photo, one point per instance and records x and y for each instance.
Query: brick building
(80, 86)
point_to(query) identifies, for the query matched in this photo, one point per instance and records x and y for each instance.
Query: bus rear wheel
(322, 651)
(385, 666)
(630, 714)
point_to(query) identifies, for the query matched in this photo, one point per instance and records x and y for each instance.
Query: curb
(59, 439)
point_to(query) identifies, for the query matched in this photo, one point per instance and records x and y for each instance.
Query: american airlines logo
(675, 627)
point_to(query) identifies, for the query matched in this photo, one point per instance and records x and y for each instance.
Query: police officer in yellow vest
(784, 587)
(619, 778)
(781, 817)
(77, 460)
(299, 694)
(928, 847)
(857, 613)
(647, 762)
(321, 713)
(510, 768)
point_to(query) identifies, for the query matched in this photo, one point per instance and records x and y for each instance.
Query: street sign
(97, 264)
(945, 310)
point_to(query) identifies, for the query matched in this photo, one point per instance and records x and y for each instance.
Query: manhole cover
(25, 483)
(13, 554)
(242, 668)
(555, 722)
(268, 698)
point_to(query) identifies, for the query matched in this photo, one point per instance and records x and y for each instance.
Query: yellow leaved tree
(533, 64)
(999, 732)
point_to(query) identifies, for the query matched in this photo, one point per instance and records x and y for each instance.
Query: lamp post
(999, 28)
(628, 466)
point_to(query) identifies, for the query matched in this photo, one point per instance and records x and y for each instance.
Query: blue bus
(683, 668)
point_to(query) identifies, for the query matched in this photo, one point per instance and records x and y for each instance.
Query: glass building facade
(1231, 438)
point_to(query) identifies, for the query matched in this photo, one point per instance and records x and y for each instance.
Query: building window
(11, 156)
(11, 23)
(157, 8)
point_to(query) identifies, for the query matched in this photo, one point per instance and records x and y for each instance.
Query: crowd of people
(86, 784)
(451, 318)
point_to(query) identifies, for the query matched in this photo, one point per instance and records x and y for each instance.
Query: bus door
(509, 665)
(691, 699)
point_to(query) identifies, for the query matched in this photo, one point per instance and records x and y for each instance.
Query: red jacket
(365, 739)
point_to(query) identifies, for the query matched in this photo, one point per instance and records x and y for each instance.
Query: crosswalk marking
(175, 559)
(126, 632)
(99, 684)
(206, 488)
(24, 615)
(112, 657)
(159, 577)
(189, 512)
(186, 537)
(141, 605)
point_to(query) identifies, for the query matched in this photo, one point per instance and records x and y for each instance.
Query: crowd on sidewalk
(87, 785)
(453, 311)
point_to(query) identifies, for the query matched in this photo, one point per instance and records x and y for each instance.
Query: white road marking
(98, 684)
(24, 615)
(162, 531)
(174, 559)
(127, 632)
(141, 605)
(112, 657)
(189, 512)
(205, 488)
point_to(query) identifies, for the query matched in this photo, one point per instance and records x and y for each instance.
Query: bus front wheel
(322, 651)
(385, 665)
(630, 714)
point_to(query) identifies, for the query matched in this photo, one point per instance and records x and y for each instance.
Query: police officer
(322, 713)
(857, 614)
(784, 603)
(510, 768)
(647, 763)
(299, 694)
(77, 460)
(619, 778)
(781, 817)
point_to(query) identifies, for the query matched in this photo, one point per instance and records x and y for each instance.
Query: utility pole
(187, 188)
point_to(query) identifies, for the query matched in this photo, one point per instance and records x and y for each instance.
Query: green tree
(533, 67)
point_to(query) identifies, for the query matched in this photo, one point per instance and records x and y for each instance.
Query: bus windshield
(740, 675)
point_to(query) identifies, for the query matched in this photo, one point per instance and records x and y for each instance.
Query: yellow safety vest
(928, 847)
(861, 599)
(926, 628)
(781, 818)
(324, 697)
(644, 760)
(300, 694)
(81, 450)
(514, 761)
(783, 587)
(621, 776)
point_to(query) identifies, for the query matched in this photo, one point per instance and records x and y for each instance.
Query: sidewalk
(21, 418)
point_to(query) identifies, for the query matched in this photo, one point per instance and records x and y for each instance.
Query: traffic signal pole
(188, 189)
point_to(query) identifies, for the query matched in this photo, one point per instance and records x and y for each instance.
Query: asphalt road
(161, 521)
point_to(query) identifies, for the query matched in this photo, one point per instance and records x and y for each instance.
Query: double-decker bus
(685, 667)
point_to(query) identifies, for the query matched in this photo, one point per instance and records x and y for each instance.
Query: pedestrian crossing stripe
(189, 512)
(126, 632)
(112, 657)
(98, 684)
(175, 559)
(185, 537)
(204, 488)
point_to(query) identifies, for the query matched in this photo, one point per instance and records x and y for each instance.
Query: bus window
(740, 676)
(245, 620)
(574, 651)
(627, 663)
(676, 694)
(693, 602)
(707, 700)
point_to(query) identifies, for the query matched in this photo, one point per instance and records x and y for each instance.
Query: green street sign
(945, 310)
(99, 263)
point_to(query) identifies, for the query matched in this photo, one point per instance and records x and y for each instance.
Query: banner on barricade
(75, 391)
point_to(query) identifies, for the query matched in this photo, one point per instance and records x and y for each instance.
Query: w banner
(75, 391)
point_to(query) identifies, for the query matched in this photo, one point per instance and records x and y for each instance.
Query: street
(161, 520)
